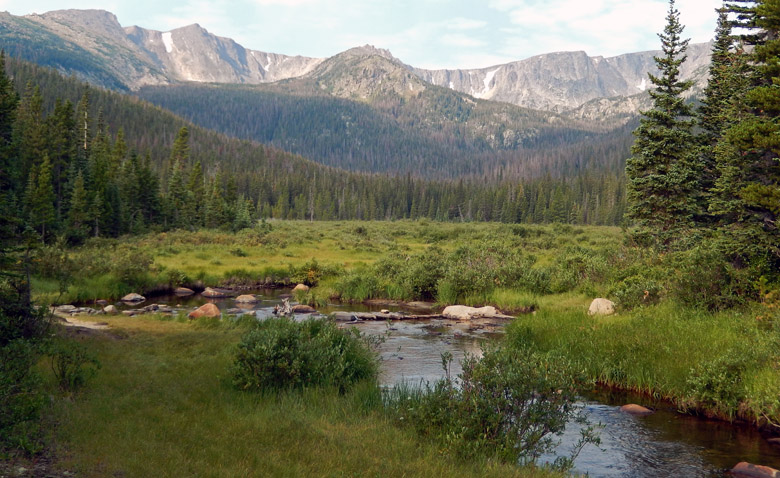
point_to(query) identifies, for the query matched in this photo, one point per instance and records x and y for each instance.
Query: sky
(424, 33)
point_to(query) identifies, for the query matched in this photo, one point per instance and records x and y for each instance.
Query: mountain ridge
(133, 57)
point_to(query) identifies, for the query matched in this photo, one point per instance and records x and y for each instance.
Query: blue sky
(423, 33)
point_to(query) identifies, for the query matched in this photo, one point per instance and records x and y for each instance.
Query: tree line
(713, 174)
(78, 162)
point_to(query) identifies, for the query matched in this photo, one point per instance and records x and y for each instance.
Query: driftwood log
(378, 316)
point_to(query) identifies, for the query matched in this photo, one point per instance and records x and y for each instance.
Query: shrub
(358, 286)
(72, 364)
(719, 384)
(22, 331)
(280, 353)
(705, 279)
(637, 290)
(509, 405)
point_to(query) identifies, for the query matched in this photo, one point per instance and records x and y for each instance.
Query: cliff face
(565, 81)
(94, 46)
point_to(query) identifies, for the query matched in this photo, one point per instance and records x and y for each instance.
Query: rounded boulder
(601, 306)
(206, 310)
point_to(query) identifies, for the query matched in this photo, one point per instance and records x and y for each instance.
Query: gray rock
(303, 309)
(110, 309)
(344, 317)
(133, 298)
(65, 309)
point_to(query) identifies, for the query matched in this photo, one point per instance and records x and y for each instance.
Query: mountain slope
(92, 45)
(566, 80)
(363, 110)
(279, 184)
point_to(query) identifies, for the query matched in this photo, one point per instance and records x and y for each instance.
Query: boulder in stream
(183, 291)
(246, 299)
(634, 409)
(212, 293)
(206, 310)
(745, 469)
(301, 287)
(133, 298)
(110, 309)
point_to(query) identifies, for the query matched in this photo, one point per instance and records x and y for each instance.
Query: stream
(665, 444)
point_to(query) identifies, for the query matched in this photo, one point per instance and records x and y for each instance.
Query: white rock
(601, 306)
(110, 309)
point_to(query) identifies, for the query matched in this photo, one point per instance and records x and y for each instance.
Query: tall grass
(163, 405)
(724, 363)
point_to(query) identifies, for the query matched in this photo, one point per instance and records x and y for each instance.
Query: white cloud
(465, 24)
(600, 27)
(461, 40)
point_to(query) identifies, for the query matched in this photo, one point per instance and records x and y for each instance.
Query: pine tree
(663, 191)
(748, 155)
(39, 200)
(9, 173)
(78, 212)
(180, 152)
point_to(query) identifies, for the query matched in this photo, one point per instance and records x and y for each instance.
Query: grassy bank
(163, 405)
(722, 364)
(281, 251)
(690, 327)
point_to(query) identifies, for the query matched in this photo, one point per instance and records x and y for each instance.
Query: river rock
(110, 309)
(183, 291)
(130, 312)
(344, 317)
(246, 298)
(206, 310)
(774, 441)
(426, 306)
(754, 471)
(234, 311)
(102, 302)
(65, 309)
(601, 306)
(634, 409)
(133, 298)
(215, 293)
(303, 309)
(301, 287)
(462, 312)
(384, 311)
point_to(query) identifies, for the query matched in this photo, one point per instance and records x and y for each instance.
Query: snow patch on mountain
(167, 39)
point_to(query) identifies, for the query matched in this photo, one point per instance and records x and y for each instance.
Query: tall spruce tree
(748, 155)
(663, 170)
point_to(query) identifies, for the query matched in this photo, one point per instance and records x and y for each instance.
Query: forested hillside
(436, 133)
(80, 161)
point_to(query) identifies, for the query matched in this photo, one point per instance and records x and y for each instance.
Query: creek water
(665, 444)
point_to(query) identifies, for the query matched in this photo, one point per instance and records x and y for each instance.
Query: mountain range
(91, 44)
